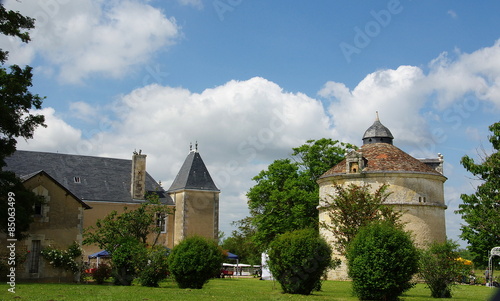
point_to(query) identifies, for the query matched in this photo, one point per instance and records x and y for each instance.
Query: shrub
(65, 259)
(127, 258)
(156, 268)
(440, 268)
(381, 262)
(194, 261)
(102, 273)
(298, 259)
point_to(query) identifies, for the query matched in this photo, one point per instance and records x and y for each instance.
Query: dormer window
(77, 180)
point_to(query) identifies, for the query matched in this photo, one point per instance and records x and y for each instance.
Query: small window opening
(161, 222)
(353, 167)
(77, 179)
(38, 210)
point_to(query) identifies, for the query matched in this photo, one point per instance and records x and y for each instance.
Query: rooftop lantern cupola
(377, 133)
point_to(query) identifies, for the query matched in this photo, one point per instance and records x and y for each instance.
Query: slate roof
(385, 157)
(193, 175)
(87, 177)
(377, 132)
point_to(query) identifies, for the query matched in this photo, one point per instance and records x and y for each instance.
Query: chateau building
(416, 186)
(79, 190)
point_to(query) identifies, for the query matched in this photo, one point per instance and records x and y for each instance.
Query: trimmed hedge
(381, 261)
(298, 259)
(194, 261)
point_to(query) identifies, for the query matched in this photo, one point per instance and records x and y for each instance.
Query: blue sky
(249, 80)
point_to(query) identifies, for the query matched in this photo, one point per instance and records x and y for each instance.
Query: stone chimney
(138, 183)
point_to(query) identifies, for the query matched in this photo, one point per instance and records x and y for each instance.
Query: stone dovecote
(416, 186)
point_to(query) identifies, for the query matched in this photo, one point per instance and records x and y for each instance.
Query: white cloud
(452, 14)
(240, 127)
(393, 93)
(194, 3)
(465, 82)
(82, 110)
(58, 136)
(84, 37)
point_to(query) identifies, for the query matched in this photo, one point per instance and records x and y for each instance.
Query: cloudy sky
(249, 80)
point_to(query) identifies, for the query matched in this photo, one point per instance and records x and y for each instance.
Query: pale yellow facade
(59, 225)
(196, 214)
(420, 198)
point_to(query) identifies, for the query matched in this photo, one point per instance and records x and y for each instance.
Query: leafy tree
(127, 259)
(286, 194)
(317, 156)
(481, 210)
(354, 207)
(298, 259)
(440, 268)
(381, 262)
(194, 261)
(241, 243)
(16, 121)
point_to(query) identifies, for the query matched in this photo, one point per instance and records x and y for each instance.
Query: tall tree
(241, 243)
(481, 210)
(16, 121)
(354, 207)
(286, 194)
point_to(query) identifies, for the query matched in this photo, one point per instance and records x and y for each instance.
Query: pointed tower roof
(193, 175)
(377, 133)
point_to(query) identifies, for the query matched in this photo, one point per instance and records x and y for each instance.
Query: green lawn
(217, 289)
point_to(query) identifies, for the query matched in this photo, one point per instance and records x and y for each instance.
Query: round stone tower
(415, 186)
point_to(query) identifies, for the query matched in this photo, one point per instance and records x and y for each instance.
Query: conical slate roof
(193, 175)
(377, 133)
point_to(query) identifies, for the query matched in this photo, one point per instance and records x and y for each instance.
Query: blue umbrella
(231, 255)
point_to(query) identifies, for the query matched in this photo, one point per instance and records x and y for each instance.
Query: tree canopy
(286, 194)
(16, 120)
(481, 210)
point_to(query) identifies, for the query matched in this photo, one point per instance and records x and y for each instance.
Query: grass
(216, 289)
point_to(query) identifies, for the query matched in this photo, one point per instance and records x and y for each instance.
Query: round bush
(298, 259)
(381, 261)
(156, 268)
(194, 261)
